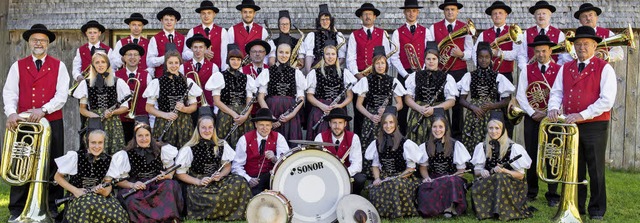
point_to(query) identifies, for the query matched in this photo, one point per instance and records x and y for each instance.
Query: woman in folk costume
(173, 112)
(501, 191)
(101, 91)
(324, 84)
(481, 91)
(142, 159)
(212, 192)
(86, 169)
(426, 90)
(443, 189)
(394, 159)
(232, 91)
(279, 88)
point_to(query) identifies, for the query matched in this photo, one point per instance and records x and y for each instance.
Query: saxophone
(293, 60)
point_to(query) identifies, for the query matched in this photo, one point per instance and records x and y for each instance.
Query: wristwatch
(44, 110)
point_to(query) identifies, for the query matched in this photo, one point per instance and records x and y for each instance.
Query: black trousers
(402, 114)
(358, 183)
(592, 146)
(457, 111)
(531, 130)
(263, 184)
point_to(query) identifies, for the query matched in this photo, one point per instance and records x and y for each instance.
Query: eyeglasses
(284, 24)
(39, 40)
(132, 55)
(257, 51)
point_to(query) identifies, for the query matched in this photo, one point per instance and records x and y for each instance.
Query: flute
(169, 170)
(393, 178)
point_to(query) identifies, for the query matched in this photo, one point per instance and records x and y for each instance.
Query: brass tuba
(514, 35)
(558, 147)
(447, 44)
(623, 39)
(412, 56)
(134, 100)
(25, 159)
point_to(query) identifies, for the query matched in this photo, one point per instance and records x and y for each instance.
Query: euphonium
(294, 53)
(85, 74)
(369, 69)
(560, 152)
(25, 159)
(623, 39)
(514, 35)
(136, 90)
(412, 56)
(447, 44)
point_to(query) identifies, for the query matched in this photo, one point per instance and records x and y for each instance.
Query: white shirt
(395, 58)
(523, 56)
(608, 89)
(187, 53)
(362, 87)
(185, 157)
(152, 93)
(241, 153)
(11, 90)
(411, 153)
(312, 82)
(232, 39)
(508, 55)
(216, 83)
(352, 53)
(149, 77)
(122, 90)
(468, 41)
(214, 67)
(309, 45)
(523, 83)
(460, 155)
(355, 152)
(120, 165)
(77, 60)
(524, 162)
(153, 60)
(450, 87)
(505, 88)
(263, 81)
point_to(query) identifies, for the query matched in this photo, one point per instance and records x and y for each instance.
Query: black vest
(393, 161)
(104, 97)
(282, 81)
(379, 90)
(205, 161)
(492, 162)
(141, 168)
(484, 86)
(234, 91)
(319, 39)
(329, 85)
(171, 90)
(427, 84)
(90, 173)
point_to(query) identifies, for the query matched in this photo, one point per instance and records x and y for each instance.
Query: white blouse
(216, 83)
(68, 164)
(153, 91)
(312, 82)
(122, 89)
(362, 87)
(460, 155)
(120, 166)
(450, 87)
(185, 157)
(524, 162)
(505, 88)
(412, 154)
(263, 81)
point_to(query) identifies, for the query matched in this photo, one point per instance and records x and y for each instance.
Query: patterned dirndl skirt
(500, 195)
(93, 207)
(115, 135)
(369, 132)
(291, 130)
(178, 134)
(162, 201)
(395, 198)
(421, 135)
(222, 200)
(225, 122)
(314, 116)
(438, 195)
(475, 129)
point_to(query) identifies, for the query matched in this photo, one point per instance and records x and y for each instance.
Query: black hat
(483, 45)
(207, 5)
(92, 24)
(540, 40)
(369, 7)
(496, 115)
(168, 11)
(198, 37)
(168, 47)
(337, 113)
(378, 50)
(136, 17)
(232, 46)
(449, 2)
(542, 5)
(131, 46)
(284, 39)
(438, 112)
(329, 42)
(93, 124)
(260, 42)
(38, 28)
(324, 10)
(390, 110)
(431, 45)
(411, 4)
(263, 114)
(248, 4)
(100, 50)
(233, 51)
(284, 13)
(498, 5)
(585, 32)
(586, 7)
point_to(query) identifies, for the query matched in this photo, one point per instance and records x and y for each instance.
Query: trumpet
(369, 69)
(412, 56)
(447, 44)
(136, 90)
(294, 53)
(623, 39)
(85, 75)
(514, 35)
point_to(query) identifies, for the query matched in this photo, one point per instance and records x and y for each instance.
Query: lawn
(623, 191)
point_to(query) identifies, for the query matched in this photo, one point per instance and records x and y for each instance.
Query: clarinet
(126, 98)
(91, 190)
(243, 112)
(175, 110)
(415, 128)
(333, 103)
(386, 102)
(298, 102)
(509, 161)
(392, 178)
(220, 169)
(169, 170)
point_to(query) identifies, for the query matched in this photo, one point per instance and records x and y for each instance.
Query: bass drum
(313, 180)
(269, 207)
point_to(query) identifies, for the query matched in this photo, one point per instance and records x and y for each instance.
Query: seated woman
(212, 193)
(501, 191)
(86, 170)
(442, 190)
(393, 159)
(141, 160)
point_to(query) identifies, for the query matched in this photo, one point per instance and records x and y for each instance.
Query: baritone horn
(412, 57)
(447, 44)
(625, 38)
(25, 160)
(514, 36)
(558, 148)
(135, 92)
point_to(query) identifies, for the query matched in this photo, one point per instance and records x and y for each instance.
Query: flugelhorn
(412, 56)
(293, 59)
(514, 36)
(625, 38)
(85, 74)
(135, 92)
(447, 44)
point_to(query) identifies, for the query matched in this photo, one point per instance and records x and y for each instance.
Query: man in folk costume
(257, 50)
(136, 23)
(258, 150)
(92, 30)
(157, 44)
(284, 26)
(541, 12)
(246, 31)
(588, 16)
(202, 67)
(461, 53)
(314, 42)
(37, 84)
(217, 53)
(541, 73)
(132, 55)
(586, 90)
(348, 149)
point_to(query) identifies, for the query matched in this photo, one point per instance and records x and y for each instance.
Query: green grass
(623, 191)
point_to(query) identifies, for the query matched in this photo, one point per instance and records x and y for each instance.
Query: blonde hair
(195, 137)
(109, 80)
(504, 141)
(322, 62)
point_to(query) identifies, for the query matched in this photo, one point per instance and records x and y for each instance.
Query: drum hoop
(279, 197)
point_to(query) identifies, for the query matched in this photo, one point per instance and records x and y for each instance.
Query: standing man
(92, 30)
(541, 12)
(216, 34)
(157, 44)
(37, 84)
(136, 23)
(462, 52)
(247, 31)
(133, 54)
(202, 67)
(314, 42)
(588, 16)
(586, 89)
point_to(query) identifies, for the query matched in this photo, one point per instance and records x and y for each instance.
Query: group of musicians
(244, 85)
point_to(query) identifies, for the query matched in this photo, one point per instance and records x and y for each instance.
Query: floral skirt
(436, 196)
(369, 132)
(93, 207)
(291, 130)
(395, 198)
(423, 130)
(225, 122)
(502, 196)
(162, 201)
(314, 116)
(475, 129)
(178, 134)
(115, 135)
(221, 200)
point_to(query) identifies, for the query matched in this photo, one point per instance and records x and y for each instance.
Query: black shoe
(532, 209)
(530, 199)
(553, 203)
(12, 218)
(597, 217)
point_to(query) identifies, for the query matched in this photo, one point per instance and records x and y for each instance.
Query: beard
(337, 132)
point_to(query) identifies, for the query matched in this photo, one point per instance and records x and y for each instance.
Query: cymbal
(312, 143)
(352, 204)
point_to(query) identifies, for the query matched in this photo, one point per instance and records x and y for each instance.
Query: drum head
(350, 204)
(268, 207)
(314, 181)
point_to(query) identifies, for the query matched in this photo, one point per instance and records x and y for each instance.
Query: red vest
(603, 33)
(440, 32)
(364, 46)
(38, 87)
(582, 89)
(489, 35)
(552, 32)
(141, 102)
(344, 145)
(248, 70)
(161, 40)
(215, 35)
(254, 159)
(241, 37)
(534, 74)
(204, 75)
(417, 40)
(85, 54)
(144, 43)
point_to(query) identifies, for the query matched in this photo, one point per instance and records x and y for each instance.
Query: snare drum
(269, 207)
(313, 180)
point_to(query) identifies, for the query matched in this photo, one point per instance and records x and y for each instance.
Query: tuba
(25, 159)
(514, 35)
(447, 44)
(135, 92)
(623, 39)
(558, 147)
(412, 56)
(369, 69)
